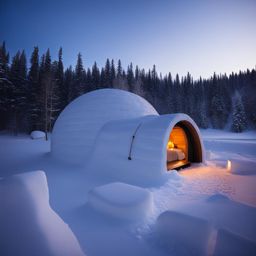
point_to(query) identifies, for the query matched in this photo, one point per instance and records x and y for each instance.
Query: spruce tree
(130, 78)
(137, 73)
(107, 83)
(102, 78)
(170, 94)
(119, 69)
(120, 79)
(179, 94)
(56, 95)
(217, 108)
(59, 76)
(5, 87)
(88, 81)
(68, 85)
(112, 73)
(95, 77)
(200, 106)
(19, 92)
(46, 90)
(34, 91)
(239, 120)
(79, 83)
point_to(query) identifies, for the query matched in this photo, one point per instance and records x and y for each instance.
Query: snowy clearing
(222, 199)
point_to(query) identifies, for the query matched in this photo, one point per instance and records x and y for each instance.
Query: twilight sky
(197, 36)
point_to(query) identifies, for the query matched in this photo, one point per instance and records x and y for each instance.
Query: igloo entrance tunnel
(120, 135)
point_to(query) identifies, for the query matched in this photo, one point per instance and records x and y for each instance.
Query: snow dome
(120, 136)
(76, 128)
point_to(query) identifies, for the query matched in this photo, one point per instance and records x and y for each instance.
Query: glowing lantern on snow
(228, 165)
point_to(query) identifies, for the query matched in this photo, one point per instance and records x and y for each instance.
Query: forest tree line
(32, 98)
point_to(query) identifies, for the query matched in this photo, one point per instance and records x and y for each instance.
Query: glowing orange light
(170, 145)
(228, 165)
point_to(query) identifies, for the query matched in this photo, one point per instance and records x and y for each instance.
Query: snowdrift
(121, 200)
(243, 167)
(229, 243)
(37, 135)
(28, 225)
(182, 234)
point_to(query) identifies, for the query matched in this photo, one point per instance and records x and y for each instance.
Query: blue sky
(200, 36)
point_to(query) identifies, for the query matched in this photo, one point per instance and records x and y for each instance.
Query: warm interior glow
(178, 139)
(170, 145)
(178, 143)
(229, 165)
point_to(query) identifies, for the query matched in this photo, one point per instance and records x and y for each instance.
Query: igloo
(118, 134)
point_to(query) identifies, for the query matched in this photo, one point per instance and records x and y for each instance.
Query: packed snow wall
(134, 150)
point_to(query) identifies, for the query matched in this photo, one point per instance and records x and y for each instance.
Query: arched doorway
(183, 146)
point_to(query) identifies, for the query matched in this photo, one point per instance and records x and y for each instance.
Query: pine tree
(79, 83)
(23, 93)
(112, 73)
(239, 120)
(170, 94)
(217, 108)
(41, 101)
(46, 69)
(59, 76)
(55, 95)
(120, 79)
(106, 75)
(119, 69)
(5, 86)
(18, 99)
(95, 77)
(88, 81)
(102, 78)
(248, 81)
(200, 106)
(130, 78)
(137, 73)
(68, 85)
(34, 91)
(179, 93)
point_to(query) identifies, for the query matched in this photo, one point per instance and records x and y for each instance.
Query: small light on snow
(228, 165)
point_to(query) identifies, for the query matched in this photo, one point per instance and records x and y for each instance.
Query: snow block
(28, 225)
(229, 243)
(183, 234)
(37, 135)
(243, 167)
(121, 200)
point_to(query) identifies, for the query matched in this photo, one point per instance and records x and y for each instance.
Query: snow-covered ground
(219, 201)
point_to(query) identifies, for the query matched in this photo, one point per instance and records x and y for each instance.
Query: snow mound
(183, 234)
(229, 243)
(37, 135)
(217, 198)
(243, 167)
(121, 200)
(28, 225)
